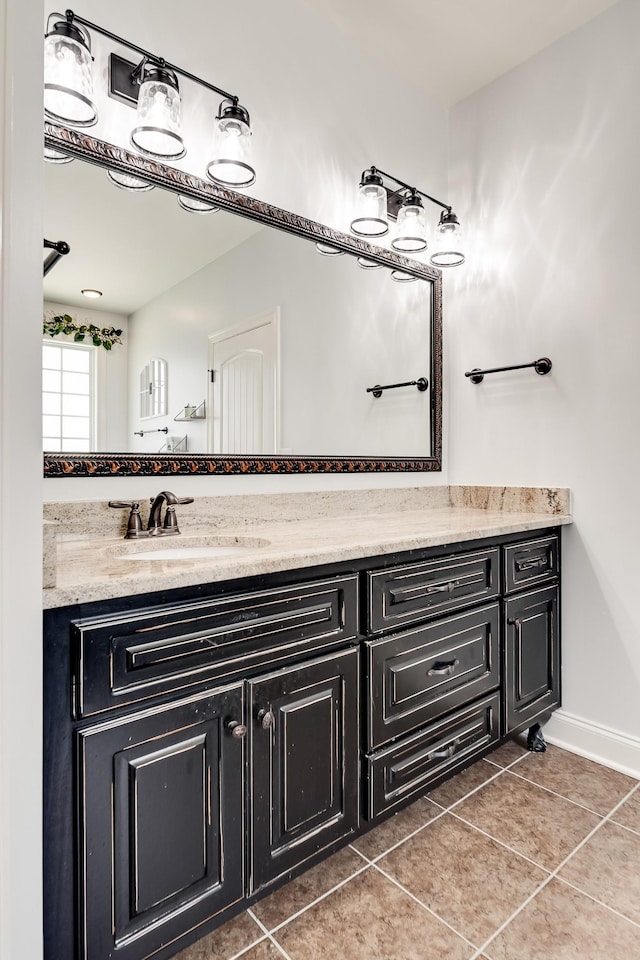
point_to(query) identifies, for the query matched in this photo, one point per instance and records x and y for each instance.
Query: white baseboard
(609, 747)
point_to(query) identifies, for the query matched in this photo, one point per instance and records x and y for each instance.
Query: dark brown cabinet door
(532, 657)
(161, 830)
(304, 757)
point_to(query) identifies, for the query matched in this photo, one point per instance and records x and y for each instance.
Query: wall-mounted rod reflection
(422, 383)
(542, 366)
(141, 433)
(58, 249)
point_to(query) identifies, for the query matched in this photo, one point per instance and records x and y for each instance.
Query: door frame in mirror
(81, 146)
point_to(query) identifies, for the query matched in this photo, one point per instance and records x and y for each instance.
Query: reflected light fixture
(328, 251)
(368, 264)
(56, 156)
(403, 203)
(401, 277)
(152, 87)
(126, 182)
(196, 206)
(91, 294)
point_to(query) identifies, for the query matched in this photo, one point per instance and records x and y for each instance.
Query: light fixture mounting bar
(159, 61)
(407, 186)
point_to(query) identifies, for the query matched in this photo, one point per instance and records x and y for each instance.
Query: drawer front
(414, 764)
(529, 563)
(127, 659)
(416, 591)
(418, 675)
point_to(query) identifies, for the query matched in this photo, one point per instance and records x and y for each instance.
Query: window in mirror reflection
(68, 397)
(153, 389)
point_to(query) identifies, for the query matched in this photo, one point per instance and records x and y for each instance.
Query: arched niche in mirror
(181, 279)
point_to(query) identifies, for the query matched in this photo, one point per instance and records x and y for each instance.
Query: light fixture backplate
(121, 86)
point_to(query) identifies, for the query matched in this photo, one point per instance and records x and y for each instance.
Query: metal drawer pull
(236, 728)
(443, 669)
(530, 564)
(444, 587)
(446, 753)
(266, 718)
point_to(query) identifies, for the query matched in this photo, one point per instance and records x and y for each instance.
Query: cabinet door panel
(532, 656)
(304, 751)
(161, 828)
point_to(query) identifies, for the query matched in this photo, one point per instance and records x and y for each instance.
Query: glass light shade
(447, 245)
(368, 264)
(158, 130)
(68, 77)
(328, 251)
(411, 228)
(231, 165)
(401, 277)
(371, 219)
(56, 156)
(126, 182)
(196, 206)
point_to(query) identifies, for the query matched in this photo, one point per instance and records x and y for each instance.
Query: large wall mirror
(269, 348)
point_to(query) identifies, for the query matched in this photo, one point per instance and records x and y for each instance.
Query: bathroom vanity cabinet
(203, 745)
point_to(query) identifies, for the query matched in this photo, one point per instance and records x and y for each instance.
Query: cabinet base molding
(595, 742)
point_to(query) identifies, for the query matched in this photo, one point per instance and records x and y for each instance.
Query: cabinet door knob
(266, 718)
(236, 728)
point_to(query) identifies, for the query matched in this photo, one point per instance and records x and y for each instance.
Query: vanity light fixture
(91, 294)
(401, 277)
(328, 251)
(368, 264)
(56, 156)
(152, 87)
(196, 206)
(380, 202)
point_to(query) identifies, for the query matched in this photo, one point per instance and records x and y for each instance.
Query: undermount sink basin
(185, 553)
(196, 548)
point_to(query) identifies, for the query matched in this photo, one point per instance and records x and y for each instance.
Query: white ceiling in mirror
(111, 219)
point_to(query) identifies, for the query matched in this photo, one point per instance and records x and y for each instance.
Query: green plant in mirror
(65, 325)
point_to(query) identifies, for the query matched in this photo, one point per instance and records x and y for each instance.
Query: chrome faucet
(155, 526)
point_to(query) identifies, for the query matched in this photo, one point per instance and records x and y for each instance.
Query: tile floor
(521, 857)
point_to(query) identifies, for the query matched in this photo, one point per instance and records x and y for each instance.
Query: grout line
(500, 843)
(423, 905)
(399, 843)
(323, 896)
(560, 795)
(636, 833)
(471, 792)
(595, 900)
(249, 946)
(551, 876)
(279, 948)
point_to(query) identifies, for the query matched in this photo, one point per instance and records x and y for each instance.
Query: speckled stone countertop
(266, 534)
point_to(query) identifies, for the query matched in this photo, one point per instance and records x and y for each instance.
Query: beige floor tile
(577, 778)
(463, 783)
(509, 751)
(608, 867)
(263, 951)
(306, 888)
(369, 918)
(533, 821)
(396, 828)
(467, 879)
(226, 941)
(562, 924)
(629, 813)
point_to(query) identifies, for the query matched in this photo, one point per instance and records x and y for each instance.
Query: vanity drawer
(416, 591)
(530, 562)
(419, 675)
(414, 764)
(141, 654)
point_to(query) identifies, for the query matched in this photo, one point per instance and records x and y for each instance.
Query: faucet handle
(184, 500)
(134, 525)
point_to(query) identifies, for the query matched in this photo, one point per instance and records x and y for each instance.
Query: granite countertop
(95, 567)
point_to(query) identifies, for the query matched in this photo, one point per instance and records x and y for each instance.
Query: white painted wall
(20, 480)
(112, 373)
(342, 329)
(544, 168)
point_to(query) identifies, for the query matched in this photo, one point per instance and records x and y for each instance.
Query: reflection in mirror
(280, 342)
